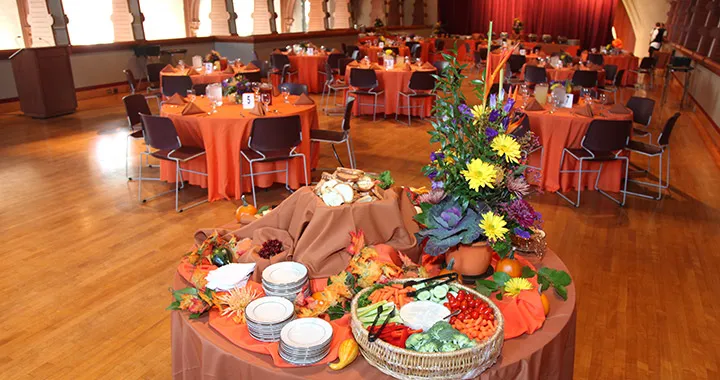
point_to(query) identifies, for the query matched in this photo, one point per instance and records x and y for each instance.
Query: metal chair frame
(346, 140)
(367, 91)
(413, 94)
(330, 86)
(127, 145)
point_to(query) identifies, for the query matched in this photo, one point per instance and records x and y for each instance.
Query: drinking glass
(265, 98)
(286, 94)
(181, 65)
(256, 88)
(191, 95)
(541, 93)
(525, 93)
(551, 100)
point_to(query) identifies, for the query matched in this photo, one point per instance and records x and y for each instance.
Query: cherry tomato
(475, 314)
(450, 297)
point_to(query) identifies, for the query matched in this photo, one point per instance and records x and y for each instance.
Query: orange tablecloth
(392, 82)
(223, 135)
(553, 47)
(308, 67)
(566, 73)
(215, 77)
(372, 51)
(625, 62)
(566, 129)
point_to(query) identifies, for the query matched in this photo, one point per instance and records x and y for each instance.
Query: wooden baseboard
(699, 106)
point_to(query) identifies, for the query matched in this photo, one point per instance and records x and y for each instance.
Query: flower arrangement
(517, 25)
(479, 167)
(379, 23)
(437, 29)
(235, 87)
(617, 43)
(213, 56)
(566, 58)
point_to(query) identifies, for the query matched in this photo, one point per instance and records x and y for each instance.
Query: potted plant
(479, 170)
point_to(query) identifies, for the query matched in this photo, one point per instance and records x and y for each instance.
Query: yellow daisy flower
(478, 111)
(514, 286)
(479, 174)
(493, 226)
(506, 146)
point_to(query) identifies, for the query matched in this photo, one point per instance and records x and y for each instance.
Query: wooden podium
(44, 81)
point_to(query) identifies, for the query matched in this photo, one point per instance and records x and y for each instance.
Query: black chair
(596, 59)
(255, 76)
(365, 82)
(294, 88)
(483, 52)
(421, 86)
(263, 66)
(280, 65)
(176, 84)
(338, 137)
(516, 63)
(153, 74)
(441, 67)
(273, 139)
(342, 66)
(333, 85)
(479, 60)
(647, 66)
(642, 109)
(333, 60)
(519, 133)
(535, 74)
(135, 105)
(416, 51)
(604, 141)
(649, 150)
(351, 49)
(615, 87)
(585, 78)
(132, 84)
(610, 72)
(160, 134)
(199, 89)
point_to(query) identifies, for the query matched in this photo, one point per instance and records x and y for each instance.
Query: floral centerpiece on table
(213, 57)
(566, 59)
(477, 174)
(235, 87)
(436, 29)
(517, 26)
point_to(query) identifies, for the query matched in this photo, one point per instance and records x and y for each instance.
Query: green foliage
(548, 277)
(385, 178)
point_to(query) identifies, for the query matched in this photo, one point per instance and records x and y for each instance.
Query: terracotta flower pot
(470, 260)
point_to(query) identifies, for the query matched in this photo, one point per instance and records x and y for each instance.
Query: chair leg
(177, 184)
(252, 183)
(559, 192)
(140, 180)
(127, 154)
(579, 187)
(375, 107)
(397, 113)
(350, 157)
(352, 148)
(337, 157)
(287, 175)
(305, 170)
(624, 189)
(409, 109)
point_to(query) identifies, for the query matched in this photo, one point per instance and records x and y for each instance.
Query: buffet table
(223, 135)
(564, 129)
(199, 352)
(392, 82)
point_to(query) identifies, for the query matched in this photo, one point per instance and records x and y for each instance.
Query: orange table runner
(392, 82)
(223, 135)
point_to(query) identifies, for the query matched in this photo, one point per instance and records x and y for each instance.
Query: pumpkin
(512, 267)
(449, 269)
(245, 209)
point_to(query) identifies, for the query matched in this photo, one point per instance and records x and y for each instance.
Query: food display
(346, 186)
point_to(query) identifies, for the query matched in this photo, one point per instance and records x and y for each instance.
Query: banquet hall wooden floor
(85, 269)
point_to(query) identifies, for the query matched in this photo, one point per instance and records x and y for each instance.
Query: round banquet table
(565, 129)
(308, 69)
(199, 352)
(223, 135)
(372, 51)
(564, 74)
(391, 82)
(625, 62)
(215, 77)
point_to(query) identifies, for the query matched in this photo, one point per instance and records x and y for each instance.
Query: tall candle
(488, 61)
(500, 91)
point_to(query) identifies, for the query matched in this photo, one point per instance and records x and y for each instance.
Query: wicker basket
(406, 364)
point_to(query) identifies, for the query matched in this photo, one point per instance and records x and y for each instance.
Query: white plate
(284, 273)
(306, 333)
(269, 310)
(423, 314)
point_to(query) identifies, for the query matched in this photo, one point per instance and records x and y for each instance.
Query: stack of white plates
(267, 316)
(285, 279)
(305, 341)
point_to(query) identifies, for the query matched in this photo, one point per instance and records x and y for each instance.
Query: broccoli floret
(414, 340)
(449, 347)
(461, 339)
(429, 346)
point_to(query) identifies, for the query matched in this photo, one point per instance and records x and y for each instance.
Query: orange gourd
(545, 303)
(245, 209)
(510, 266)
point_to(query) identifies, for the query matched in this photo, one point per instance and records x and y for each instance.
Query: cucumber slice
(440, 291)
(424, 296)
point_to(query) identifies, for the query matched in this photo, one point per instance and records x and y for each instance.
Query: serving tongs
(449, 276)
(375, 333)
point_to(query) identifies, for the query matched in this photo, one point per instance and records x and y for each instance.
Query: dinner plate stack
(267, 316)
(286, 279)
(305, 341)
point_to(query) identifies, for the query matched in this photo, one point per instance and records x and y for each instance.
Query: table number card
(248, 101)
(310, 51)
(568, 101)
(381, 44)
(523, 52)
(208, 68)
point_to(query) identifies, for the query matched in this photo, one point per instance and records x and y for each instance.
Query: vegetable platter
(461, 336)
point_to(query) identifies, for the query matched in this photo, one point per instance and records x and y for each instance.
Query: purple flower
(436, 156)
(432, 174)
(509, 105)
(225, 83)
(522, 212)
(438, 185)
(493, 101)
(491, 133)
(505, 122)
(519, 232)
(494, 115)
(465, 110)
(451, 216)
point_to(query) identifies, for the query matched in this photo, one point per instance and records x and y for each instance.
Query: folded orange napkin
(239, 63)
(376, 66)
(229, 70)
(585, 110)
(168, 69)
(353, 64)
(427, 66)
(619, 109)
(176, 100)
(251, 66)
(533, 105)
(192, 109)
(258, 110)
(303, 100)
(193, 72)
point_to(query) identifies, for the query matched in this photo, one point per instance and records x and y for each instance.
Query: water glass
(541, 93)
(191, 95)
(265, 98)
(603, 98)
(286, 94)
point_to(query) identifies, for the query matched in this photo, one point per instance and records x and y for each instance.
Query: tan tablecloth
(199, 352)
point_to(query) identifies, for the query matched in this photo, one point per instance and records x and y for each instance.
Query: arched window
(244, 21)
(204, 9)
(10, 28)
(89, 22)
(163, 19)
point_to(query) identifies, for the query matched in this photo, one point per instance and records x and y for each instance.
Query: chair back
(342, 65)
(153, 71)
(329, 76)
(344, 48)
(642, 109)
(585, 78)
(275, 133)
(416, 50)
(135, 104)
(348, 114)
(680, 62)
(605, 136)
(439, 44)
(618, 78)
(363, 78)
(350, 49)
(294, 88)
(596, 58)
(422, 81)
(483, 52)
(441, 67)
(610, 72)
(479, 56)
(535, 74)
(199, 89)
(130, 77)
(664, 138)
(176, 84)
(648, 63)
(334, 58)
(278, 61)
(263, 66)
(253, 76)
(160, 132)
(516, 62)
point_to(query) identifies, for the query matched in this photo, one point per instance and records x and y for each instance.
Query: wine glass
(286, 94)
(551, 99)
(191, 95)
(603, 99)
(525, 93)
(265, 98)
(181, 65)
(256, 88)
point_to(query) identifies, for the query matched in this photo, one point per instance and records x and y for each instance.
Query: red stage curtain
(590, 21)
